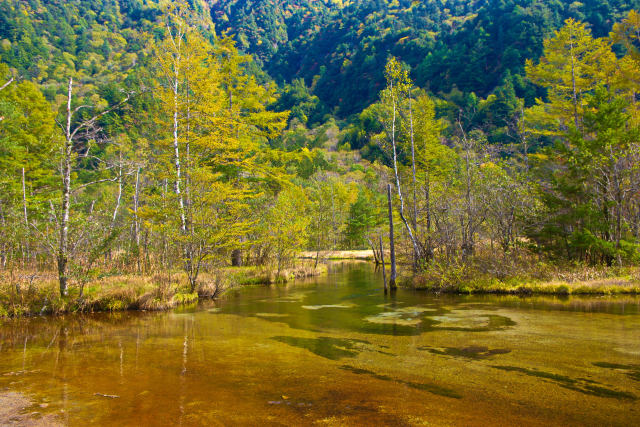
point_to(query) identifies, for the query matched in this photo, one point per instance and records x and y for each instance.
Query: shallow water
(335, 350)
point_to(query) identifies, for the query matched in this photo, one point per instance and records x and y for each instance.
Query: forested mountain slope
(340, 47)
(96, 41)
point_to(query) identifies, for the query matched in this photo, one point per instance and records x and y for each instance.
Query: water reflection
(334, 350)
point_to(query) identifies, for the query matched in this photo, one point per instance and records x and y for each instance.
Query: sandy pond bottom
(330, 351)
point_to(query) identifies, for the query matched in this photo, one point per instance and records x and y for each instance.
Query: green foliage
(364, 216)
(182, 298)
(340, 48)
(305, 107)
(27, 138)
(93, 41)
(590, 175)
(288, 222)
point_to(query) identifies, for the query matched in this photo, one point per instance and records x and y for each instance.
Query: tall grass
(522, 272)
(28, 293)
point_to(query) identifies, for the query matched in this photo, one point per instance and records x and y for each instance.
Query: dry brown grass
(27, 294)
(112, 293)
(366, 254)
(523, 272)
(300, 271)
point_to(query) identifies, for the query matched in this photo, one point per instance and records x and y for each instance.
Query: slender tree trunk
(187, 255)
(136, 201)
(3, 250)
(467, 219)
(416, 246)
(136, 222)
(164, 250)
(573, 82)
(413, 173)
(26, 217)
(24, 200)
(63, 256)
(176, 150)
(392, 277)
(384, 271)
(147, 265)
(334, 226)
(467, 244)
(376, 257)
(119, 197)
(619, 206)
(525, 141)
(7, 83)
(427, 197)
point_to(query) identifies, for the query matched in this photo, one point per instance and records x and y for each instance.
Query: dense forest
(500, 138)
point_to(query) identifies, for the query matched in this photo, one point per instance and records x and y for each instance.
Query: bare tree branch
(95, 118)
(80, 187)
(11, 80)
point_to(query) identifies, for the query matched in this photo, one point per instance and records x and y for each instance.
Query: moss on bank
(524, 276)
(608, 287)
(28, 294)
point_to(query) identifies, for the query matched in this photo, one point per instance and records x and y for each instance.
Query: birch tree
(218, 126)
(74, 131)
(392, 97)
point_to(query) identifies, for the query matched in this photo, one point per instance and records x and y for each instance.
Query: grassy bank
(28, 294)
(524, 274)
(364, 255)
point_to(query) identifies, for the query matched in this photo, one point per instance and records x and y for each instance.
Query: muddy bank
(18, 410)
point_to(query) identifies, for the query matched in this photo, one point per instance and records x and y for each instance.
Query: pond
(335, 351)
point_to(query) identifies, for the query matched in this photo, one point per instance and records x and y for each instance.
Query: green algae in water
(393, 318)
(273, 315)
(576, 384)
(329, 348)
(470, 352)
(404, 316)
(319, 307)
(632, 371)
(465, 322)
(431, 388)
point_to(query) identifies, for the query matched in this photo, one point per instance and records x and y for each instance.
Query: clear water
(335, 351)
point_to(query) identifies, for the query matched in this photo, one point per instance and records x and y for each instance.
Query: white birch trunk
(67, 152)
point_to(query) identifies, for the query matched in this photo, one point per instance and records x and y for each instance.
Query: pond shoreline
(480, 286)
(158, 292)
(521, 284)
(164, 292)
(14, 411)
